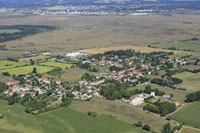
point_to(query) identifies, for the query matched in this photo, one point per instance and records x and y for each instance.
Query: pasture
(190, 81)
(189, 115)
(136, 48)
(32, 58)
(27, 69)
(61, 120)
(56, 64)
(121, 111)
(189, 130)
(177, 95)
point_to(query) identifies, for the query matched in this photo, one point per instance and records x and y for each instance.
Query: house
(136, 100)
(166, 97)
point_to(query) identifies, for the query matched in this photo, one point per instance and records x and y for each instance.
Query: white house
(136, 100)
(76, 55)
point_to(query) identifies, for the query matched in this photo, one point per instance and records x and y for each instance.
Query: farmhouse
(136, 100)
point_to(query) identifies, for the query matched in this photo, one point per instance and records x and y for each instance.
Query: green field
(189, 115)
(190, 81)
(121, 111)
(9, 30)
(61, 120)
(27, 69)
(56, 64)
(5, 64)
(178, 95)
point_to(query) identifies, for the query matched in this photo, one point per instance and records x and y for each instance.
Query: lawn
(178, 95)
(189, 115)
(57, 64)
(27, 69)
(120, 111)
(190, 81)
(61, 120)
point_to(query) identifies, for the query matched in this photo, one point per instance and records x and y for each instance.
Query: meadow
(5, 64)
(121, 111)
(56, 64)
(9, 30)
(189, 115)
(177, 95)
(27, 69)
(61, 120)
(190, 81)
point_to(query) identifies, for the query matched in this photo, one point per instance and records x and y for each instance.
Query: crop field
(86, 32)
(120, 111)
(5, 64)
(32, 58)
(9, 30)
(178, 95)
(136, 48)
(56, 64)
(27, 69)
(61, 120)
(189, 130)
(190, 81)
(189, 115)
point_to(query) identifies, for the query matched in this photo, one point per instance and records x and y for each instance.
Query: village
(124, 69)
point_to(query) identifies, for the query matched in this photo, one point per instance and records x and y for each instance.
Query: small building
(168, 97)
(153, 94)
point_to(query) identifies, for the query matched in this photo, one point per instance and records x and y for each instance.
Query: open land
(85, 32)
(190, 81)
(121, 111)
(189, 115)
(59, 120)
(189, 130)
(9, 31)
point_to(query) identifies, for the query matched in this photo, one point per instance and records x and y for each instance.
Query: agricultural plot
(56, 64)
(189, 130)
(136, 48)
(5, 64)
(27, 69)
(189, 115)
(190, 81)
(177, 95)
(121, 111)
(61, 120)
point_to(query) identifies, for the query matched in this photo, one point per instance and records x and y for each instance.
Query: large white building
(76, 55)
(136, 100)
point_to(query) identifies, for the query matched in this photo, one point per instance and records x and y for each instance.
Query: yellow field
(136, 48)
(33, 58)
(189, 130)
(9, 31)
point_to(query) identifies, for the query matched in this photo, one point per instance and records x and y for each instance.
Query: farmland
(86, 32)
(5, 64)
(56, 64)
(136, 48)
(59, 120)
(121, 111)
(190, 81)
(177, 95)
(27, 69)
(189, 115)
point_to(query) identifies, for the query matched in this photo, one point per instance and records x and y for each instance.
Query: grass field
(190, 81)
(178, 95)
(61, 120)
(189, 115)
(121, 111)
(9, 30)
(5, 64)
(56, 64)
(27, 69)
(136, 48)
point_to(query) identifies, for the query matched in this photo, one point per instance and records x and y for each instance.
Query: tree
(166, 128)
(34, 70)
(139, 124)
(146, 127)
(32, 62)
